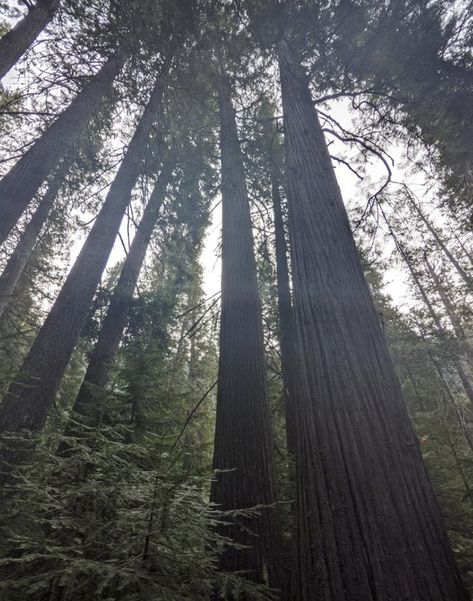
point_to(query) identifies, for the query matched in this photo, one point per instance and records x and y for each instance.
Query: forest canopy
(301, 429)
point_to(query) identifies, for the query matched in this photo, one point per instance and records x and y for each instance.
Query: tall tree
(20, 184)
(243, 441)
(22, 252)
(441, 243)
(368, 525)
(286, 325)
(16, 41)
(106, 348)
(29, 397)
(441, 331)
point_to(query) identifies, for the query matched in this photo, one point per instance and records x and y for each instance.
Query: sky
(354, 194)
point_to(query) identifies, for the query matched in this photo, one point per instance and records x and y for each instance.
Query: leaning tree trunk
(286, 326)
(16, 41)
(29, 397)
(438, 238)
(23, 250)
(20, 184)
(450, 312)
(368, 525)
(106, 348)
(465, 380)
(243, 441)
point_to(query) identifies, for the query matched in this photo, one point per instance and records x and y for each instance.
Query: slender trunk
(454, 404)
(450, 311)
(29, 397)
(466, 252)
(106, 348)
(16, 41)
(465, 380)
(23, 250)
(416, 388)
(243, 441)
(21, 183)
(286, 327)
(462, 273)
(189, 438)
(459, 466)
(368, 525)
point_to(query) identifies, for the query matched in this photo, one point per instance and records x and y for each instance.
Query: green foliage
(110, 521)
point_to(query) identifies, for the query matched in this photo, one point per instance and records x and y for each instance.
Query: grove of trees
(303, 433)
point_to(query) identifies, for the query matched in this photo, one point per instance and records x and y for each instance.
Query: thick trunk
(106, 348)
(243, 441)
(461, 272)
(21, 254)
(16, 41)
(368, 524)
(20, 184)
(286, 327)
(29, 397)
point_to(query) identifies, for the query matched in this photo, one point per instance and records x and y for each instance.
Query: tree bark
(29, 397)
(16, 41)
(286, 326)
(21, 183)
(106, 348)
(243, 441)
(21, 254)
(368, 525)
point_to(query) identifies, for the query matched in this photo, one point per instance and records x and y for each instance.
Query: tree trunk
(16, 41)
(29, 397)
(106, 348)
(450, 312)
(465, 380)
(21, 183)
(462, 273)
(24, 248)
(243, 441)
(286, 327)
(458, 465)
(368, 525)
(458, 414)
(466, 252)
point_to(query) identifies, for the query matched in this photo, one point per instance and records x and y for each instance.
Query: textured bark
(16, 41)
(368, 525)
(106, 348)
(286, 325)
(243, 442)
(21, 183)
(29, 397)
(22, 252)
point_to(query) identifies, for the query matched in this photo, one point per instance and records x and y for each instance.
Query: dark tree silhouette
(368, 525)
(16, 41)
(243, 442)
